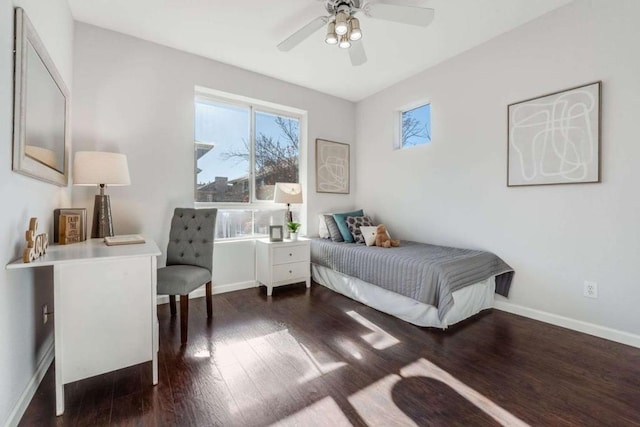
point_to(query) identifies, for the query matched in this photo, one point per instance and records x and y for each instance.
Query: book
(69, 229)
(124, 239)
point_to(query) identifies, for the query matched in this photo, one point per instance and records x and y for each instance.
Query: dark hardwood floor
(313, 357)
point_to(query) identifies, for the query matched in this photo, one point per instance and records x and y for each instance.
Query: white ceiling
(245, 33)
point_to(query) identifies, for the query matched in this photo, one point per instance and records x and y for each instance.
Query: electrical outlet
(45, 313)
(590, 289)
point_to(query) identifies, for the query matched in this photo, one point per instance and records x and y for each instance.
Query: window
(241, 151)
(416, 126)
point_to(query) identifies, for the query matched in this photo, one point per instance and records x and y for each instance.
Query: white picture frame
(41, 127)
(555, 138)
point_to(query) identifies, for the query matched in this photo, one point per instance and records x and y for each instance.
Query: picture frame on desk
(275, 233)
(69, 211)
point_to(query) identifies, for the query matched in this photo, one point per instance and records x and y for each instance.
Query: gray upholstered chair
(189, 260)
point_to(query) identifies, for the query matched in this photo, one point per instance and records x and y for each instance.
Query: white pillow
(369, 234)
(323, 231)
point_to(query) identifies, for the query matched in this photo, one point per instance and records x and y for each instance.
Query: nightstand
(282, 263)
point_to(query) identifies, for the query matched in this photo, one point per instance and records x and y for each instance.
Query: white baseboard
(219, 289)
(573, 324)
(30, 390)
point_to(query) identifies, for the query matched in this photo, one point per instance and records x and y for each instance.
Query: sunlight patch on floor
(350, 347)
(375, 404)
(202, 354)
(424, 368)
(248, 364)
(378, 338)
(320, 368)
(376, 407)
(325, 412)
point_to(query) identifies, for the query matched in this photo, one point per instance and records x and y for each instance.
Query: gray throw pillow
(354, 223)
(334, 231)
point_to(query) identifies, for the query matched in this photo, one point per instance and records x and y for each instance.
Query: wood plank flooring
(313, 357)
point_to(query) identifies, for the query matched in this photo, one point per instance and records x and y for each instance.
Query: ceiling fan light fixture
(344, 42)
(331, 37)
(354, 29)
(342, 26)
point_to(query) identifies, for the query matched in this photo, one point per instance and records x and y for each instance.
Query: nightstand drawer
(291, 271)
(289, 254)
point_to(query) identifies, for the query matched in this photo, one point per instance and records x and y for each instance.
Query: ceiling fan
(343, 27)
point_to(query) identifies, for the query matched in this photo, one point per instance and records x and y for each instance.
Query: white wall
(453, 191)
(23, 338)
(136, 97)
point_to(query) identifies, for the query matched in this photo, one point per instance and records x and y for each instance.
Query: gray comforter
(426, 273)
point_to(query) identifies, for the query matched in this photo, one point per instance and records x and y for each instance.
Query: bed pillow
(354, 223)
(332, 227)
(323, 231)
(369, 234)
(341, 222)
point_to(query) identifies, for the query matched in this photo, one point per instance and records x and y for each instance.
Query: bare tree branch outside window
(414, 130)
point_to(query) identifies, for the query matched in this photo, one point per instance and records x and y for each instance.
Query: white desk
(105, 313)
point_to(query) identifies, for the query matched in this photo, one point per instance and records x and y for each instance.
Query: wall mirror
(41, 109)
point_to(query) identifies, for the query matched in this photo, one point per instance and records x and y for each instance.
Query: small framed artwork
(275, 233)
(555, 138)
(332, 167)
(70, 211)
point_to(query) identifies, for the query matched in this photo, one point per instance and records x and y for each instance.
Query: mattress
(428, 274)
(468, 301)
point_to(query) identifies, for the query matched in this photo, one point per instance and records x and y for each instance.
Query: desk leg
(57, 327)
(154, 318)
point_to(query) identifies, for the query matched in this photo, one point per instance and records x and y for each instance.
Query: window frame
(254, 105)
(399, 112)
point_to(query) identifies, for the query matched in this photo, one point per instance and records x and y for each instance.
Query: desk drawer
(289, 254)
(298, 270)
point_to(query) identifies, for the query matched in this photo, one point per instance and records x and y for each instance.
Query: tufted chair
(189, 260)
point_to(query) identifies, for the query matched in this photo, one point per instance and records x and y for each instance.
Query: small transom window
(415, 126)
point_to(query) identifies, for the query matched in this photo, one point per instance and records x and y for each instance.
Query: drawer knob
(290, 271)
(290, 254)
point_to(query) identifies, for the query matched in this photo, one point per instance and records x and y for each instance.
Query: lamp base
(102, 225)
(288, 217)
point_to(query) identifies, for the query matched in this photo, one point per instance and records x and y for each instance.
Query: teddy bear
(382, 238)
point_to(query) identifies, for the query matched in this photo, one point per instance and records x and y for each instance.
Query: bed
(423, 284)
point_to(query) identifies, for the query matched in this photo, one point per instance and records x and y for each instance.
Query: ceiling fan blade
(299, 36)
(404, 14)
(357, 54)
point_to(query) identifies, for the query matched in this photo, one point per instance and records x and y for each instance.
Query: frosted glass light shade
(331, 37)
(344, 42)
(354, 29)
(96, 167)
(287, 193)
(342, 25)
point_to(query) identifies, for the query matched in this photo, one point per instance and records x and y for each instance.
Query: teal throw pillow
(341, 222)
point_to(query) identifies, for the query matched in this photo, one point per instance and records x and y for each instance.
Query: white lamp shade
(287, 193)
(96, 167)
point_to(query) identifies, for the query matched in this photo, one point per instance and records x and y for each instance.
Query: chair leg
(209, 301)
(172, 304)
(184, 317)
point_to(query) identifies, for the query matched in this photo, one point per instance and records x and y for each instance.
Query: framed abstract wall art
(555, 138)
(332, 167)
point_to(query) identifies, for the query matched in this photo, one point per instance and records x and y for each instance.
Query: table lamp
(288, 193)
(102, 169)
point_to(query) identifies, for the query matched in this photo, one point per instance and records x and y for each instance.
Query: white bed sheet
(467, 301)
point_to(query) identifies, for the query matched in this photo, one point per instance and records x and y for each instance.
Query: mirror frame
(22, 163)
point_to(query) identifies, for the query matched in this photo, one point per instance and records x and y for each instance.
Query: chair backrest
(191, 237)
